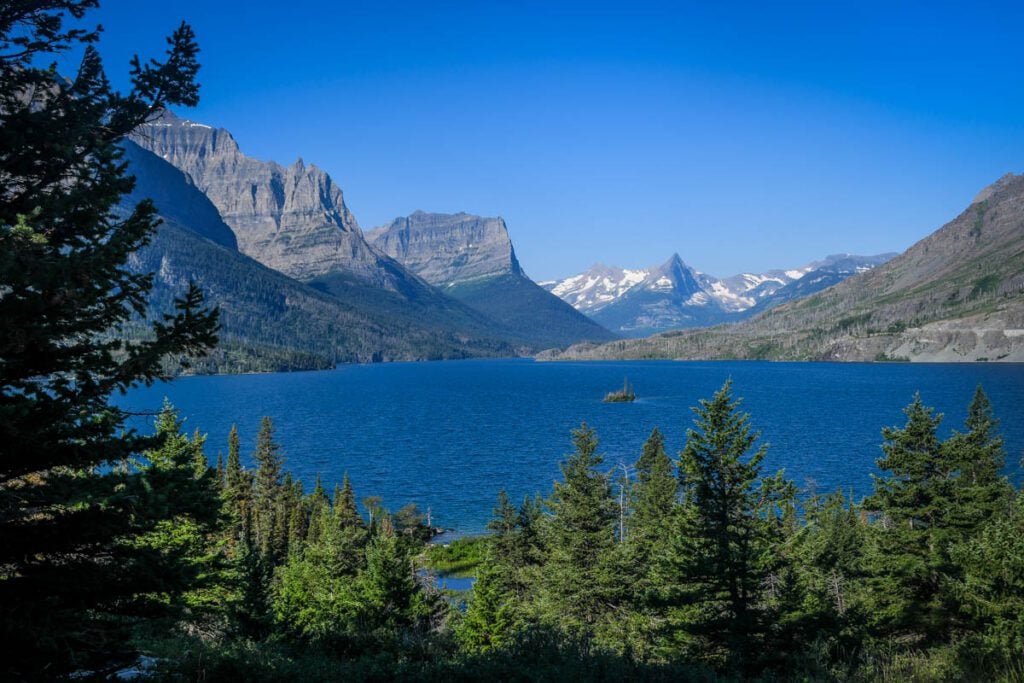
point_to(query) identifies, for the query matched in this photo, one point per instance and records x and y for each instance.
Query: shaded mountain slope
(471, 258)
(271, 321)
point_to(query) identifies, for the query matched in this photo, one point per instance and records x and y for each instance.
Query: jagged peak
(989, 190)
(674, 260)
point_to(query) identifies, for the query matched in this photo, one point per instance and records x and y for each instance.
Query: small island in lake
(623, 395)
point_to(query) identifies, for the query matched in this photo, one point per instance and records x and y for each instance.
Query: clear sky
(742, 136)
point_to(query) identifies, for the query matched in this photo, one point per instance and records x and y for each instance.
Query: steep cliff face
(270, 321)
(290, 218)
(448, 249)
(471, 258)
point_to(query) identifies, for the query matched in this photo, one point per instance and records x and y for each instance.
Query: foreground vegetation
(699, 567)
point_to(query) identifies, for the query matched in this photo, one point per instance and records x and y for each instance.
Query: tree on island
(71, 509)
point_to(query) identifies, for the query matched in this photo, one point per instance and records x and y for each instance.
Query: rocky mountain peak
(448, 249)
(1004, 182)
(293, 219)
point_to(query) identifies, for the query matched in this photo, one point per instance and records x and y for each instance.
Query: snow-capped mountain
(638, 302)
(598, 286)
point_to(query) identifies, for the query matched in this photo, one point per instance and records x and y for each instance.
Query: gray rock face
(177, 200)
(448, 249)
(290, 218)
(471, 258)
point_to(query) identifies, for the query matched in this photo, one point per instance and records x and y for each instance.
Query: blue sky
(743, 136)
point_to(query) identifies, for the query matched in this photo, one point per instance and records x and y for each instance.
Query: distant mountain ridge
(471, 258)
(956, 295)
(638, 302)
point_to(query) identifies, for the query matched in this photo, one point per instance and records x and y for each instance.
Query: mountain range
(639, 302)
(956, 295)
(297, 282)
(300, 285)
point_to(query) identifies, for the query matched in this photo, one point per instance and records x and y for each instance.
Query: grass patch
(459, 558)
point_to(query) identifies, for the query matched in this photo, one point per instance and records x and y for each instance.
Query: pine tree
(829, 552)
(346, 511)
(348, 531)
(221, 472)
(386, 585)
(653, 502)
(200, 463)
(579, 579)
(267, 490)
(238, 491)
(992, 582)
(717, 562)
(980, 491)
(233, 473)
(654, 498)
(67, 506)
(490, 620)
(251, 611)
(913, 534)
(184, 499)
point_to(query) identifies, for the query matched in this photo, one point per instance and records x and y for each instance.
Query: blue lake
(449, 435)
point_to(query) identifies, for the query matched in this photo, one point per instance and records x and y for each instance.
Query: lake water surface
(450, 435)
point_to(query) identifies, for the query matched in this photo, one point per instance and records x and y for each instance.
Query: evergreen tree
(314, 599)
(654, 498)
(251, 611)
(387, 586)
(177, 552)
(980, 491)
(915, 501)
(68, 511)
(723, 540)
(829, 553)
(579, 580)
(200, 463)
(490, 620)
(267, 491)
(992, 583)
(653, 503)
(233, 471)
(348, 531)
(346, 512)
(221, 472)
(238, 491)
(503, 524)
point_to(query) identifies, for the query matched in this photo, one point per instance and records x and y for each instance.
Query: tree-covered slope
(956, 295)
(528, 311)
(270, 321)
